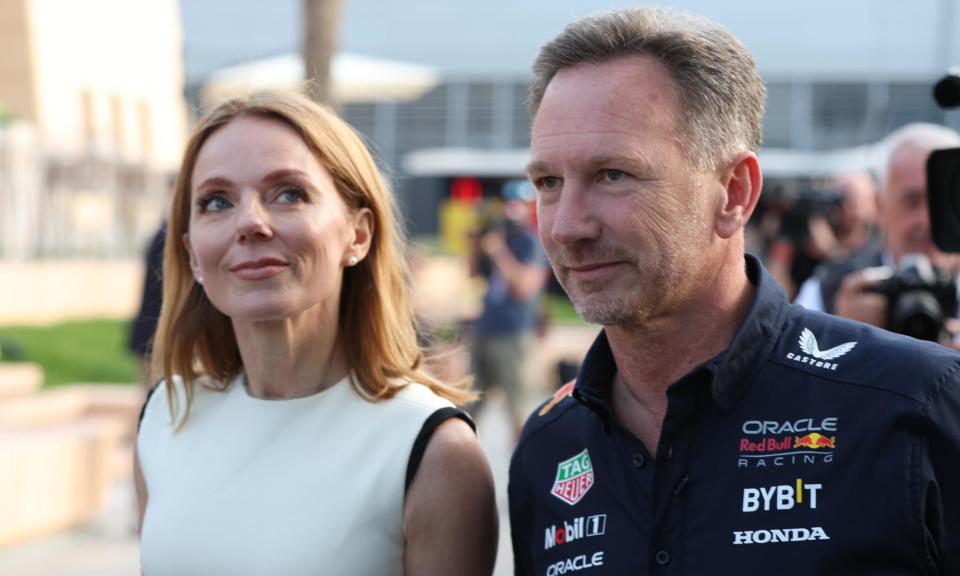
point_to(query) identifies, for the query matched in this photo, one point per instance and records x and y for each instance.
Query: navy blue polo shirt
(812, 445)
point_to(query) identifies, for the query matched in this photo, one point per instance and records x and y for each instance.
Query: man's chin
(603, 313)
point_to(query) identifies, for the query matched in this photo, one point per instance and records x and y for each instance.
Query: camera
(795, 222)
(943, 175)
(920, 296)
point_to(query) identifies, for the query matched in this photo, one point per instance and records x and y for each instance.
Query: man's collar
(732, 370)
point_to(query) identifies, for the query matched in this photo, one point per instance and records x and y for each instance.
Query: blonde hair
(721, 94)
(377, 322)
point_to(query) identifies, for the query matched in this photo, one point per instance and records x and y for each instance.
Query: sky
(839, 38)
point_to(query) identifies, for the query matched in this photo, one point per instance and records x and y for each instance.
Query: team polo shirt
(812, 445)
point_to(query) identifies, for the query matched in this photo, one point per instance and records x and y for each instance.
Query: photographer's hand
(952, 327)
(856, 302)
(493, 243)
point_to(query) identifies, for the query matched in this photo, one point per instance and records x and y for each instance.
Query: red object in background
(467, 190)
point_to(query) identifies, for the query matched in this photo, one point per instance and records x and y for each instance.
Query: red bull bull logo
(815, 441)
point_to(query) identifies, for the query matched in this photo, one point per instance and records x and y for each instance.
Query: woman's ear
(363, 230)
(742, 182)
(194, 262)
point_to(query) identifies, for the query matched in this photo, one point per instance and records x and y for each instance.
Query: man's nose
(253, 221)
(574, 216)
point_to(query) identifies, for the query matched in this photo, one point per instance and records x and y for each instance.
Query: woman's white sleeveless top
(295, 487)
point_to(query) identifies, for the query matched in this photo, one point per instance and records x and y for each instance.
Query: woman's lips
(259, 269)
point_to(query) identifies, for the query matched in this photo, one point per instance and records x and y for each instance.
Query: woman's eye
(292, 195)
(213, 203)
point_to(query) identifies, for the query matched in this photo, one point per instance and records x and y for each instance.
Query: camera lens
(917, 313)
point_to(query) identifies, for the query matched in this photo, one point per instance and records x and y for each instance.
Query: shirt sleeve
(527, 250)
(943, 488)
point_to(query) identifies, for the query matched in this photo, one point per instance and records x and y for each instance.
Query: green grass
(561, 311)
(96, 350)
(82, 351)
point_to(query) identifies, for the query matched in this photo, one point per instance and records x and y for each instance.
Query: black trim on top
(143, 408)
(426, 432)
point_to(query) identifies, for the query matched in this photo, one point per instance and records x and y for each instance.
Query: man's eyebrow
(636, 162)
(535, 166)
(620, 160)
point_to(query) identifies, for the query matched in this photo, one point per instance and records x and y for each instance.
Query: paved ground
(107, 547)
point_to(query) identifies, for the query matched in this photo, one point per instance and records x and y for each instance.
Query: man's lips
(592, 271)
(259, 269)
(590, 267)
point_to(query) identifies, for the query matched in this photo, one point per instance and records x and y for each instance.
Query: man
(808, 240)
(844, 287)
(858, 212)
(713, 428)
(512, 261)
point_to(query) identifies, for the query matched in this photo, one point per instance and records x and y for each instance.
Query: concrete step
(18, 379)
(55, 477)
(67, 403)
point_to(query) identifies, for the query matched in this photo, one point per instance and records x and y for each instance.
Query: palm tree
(321, 27)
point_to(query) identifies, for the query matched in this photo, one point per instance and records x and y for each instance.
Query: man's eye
(292, 195)
(213, 203)
(548, 182)
(613, 175)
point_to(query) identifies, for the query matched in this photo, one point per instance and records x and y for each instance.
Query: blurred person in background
(846, 287)
(144, 324)
(505, 251)
(856, 222)
(714, 427)
(830, 225)
(294, 430)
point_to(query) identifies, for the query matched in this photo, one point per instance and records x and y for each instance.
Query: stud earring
(352, 261)
(199, 280)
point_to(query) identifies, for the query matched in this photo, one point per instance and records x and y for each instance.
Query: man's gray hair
(720, 91)
(921, 135)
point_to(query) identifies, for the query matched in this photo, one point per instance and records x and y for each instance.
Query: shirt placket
(672, 471)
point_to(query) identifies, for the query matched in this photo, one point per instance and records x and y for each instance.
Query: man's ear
(742, 181)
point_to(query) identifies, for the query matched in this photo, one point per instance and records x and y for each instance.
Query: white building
(98, 87)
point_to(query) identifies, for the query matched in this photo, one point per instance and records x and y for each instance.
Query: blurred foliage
(83, 351)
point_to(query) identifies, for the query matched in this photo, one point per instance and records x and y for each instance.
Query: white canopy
(355, 78)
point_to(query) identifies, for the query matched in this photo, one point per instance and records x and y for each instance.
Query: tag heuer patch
(574, 478)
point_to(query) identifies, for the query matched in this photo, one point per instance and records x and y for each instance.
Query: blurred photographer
(857, 218)
(506, 252)
(824, 225)
(913, 267)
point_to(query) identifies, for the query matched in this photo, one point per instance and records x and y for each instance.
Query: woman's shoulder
(169, 397)
(419, 395)
(411, 402)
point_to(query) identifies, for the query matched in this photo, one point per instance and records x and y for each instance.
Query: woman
(294, 431)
